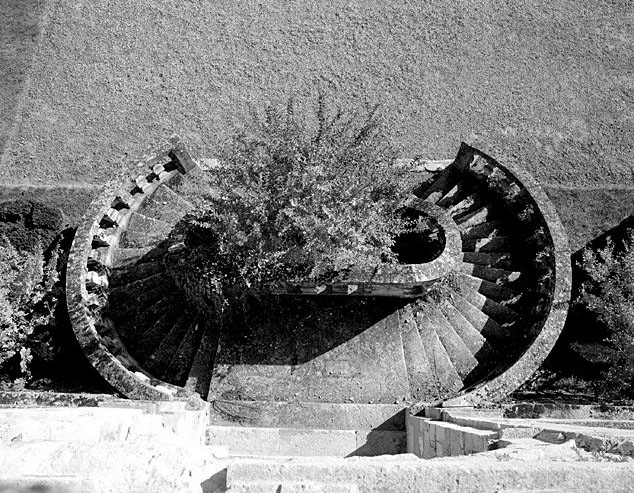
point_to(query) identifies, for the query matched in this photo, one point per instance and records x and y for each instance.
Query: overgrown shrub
(29, 292)
(607, 294)
(296, 199)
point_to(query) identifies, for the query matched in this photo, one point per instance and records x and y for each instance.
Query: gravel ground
(549, 85)
(19, 28)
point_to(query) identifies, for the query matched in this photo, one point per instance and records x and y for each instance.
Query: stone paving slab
(33, 484)
(326, 350)
(96, 424)
(318, 415)
(253, 441)
(112, 467)
(526, 467)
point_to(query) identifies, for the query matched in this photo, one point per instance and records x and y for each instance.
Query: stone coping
(593, 435)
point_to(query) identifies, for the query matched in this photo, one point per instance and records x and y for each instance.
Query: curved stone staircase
(486, 328)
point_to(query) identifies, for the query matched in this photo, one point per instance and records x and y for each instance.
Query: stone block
(318, 442)
(456, 442)
(475, 443)
(99, 424)
(433, 413)
(414, 435)
(514, 432)
(429, 441)
(442, 448)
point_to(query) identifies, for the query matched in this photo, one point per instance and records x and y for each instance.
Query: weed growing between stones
(298, 197)
(440, 292)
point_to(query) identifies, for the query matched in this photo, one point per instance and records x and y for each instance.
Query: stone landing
(320, 350)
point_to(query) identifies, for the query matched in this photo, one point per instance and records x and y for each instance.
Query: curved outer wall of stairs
(555, 317)
(100, 344)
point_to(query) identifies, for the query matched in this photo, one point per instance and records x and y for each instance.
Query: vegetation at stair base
(37, 348)
(595, 357)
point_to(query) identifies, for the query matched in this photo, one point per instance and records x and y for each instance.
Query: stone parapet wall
(439, 432)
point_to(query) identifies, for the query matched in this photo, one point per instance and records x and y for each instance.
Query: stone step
(467, 332)
(488, 327)
(166, 205)
(459, 353)
(149, 226)
(161, 357)
(292, 487)
(496, 470)
(485, 245)
(502, 260)
(257, 441)
(492, 274)
(132, 273)
(441, 185)
(500, 313)
(150, 337)
(132, 238)
(466, 205)
(428, 438)
(453, 196)
(130, 322)
(484, 230)
(200, 373)
(31, 401)
(139, 292)
(100, 424)
(444, 376)
(132, 256)
(497, 292)
(418, 366)
(303, 415)
(480, 215)
(181, 362)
